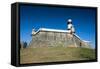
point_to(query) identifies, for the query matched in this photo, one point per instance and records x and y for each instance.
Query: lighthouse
(70, 27)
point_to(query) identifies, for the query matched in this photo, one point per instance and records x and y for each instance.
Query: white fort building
(46, 37)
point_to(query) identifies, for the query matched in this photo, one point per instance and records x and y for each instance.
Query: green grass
(52, 54)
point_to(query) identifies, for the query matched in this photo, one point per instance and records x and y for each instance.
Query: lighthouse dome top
(69, 20)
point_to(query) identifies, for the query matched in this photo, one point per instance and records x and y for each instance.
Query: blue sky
(56, 18)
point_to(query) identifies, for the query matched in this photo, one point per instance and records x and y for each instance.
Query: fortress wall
(45, 39)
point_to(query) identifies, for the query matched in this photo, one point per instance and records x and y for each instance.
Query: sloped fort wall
(50, 39)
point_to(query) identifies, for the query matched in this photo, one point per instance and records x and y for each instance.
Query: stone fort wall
(50, 39)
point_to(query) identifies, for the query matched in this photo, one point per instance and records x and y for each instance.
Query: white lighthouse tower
(70, 27)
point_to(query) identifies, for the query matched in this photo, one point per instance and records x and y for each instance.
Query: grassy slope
(49, 54)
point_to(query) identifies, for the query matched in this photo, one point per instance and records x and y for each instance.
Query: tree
(25, 45)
